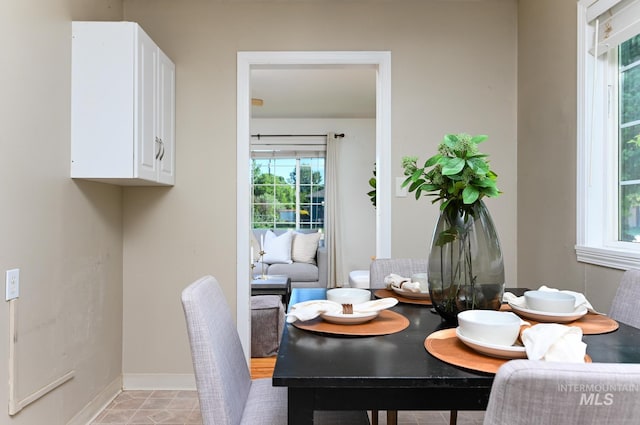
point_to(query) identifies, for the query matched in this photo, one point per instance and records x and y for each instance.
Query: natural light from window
(608, 201)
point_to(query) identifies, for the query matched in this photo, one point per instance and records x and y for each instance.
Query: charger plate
(387, 322)
(386, 293)
(445, 345)
(590, 323)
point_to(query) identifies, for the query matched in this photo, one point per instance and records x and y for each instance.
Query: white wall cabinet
(122, 106)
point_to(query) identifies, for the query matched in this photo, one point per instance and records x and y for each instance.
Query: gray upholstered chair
(527, 392)
(226, 392)
(383, 267)
(625, 304)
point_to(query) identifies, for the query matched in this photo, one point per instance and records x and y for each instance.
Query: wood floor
(262, 367)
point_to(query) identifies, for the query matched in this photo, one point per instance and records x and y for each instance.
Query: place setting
(544, 324)
(485, 339)
(408, 290)
(348, 311)
(550, 305)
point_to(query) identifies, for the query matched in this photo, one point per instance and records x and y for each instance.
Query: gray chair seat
(226, 392)
(625, 303)
(527, 392)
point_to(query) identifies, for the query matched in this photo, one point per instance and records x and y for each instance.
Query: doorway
(381, 61)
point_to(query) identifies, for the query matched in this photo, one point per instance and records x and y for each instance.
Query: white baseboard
(97, 405)
(159, 381)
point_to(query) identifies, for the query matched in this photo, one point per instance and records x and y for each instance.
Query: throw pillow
(304, 247)
(277, 248)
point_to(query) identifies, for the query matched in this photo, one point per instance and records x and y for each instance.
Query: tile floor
(182, 408)
(152, 407)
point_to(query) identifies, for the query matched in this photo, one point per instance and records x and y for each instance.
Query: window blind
(615, 20)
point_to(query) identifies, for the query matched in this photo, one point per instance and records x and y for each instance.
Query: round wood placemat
(387, 322)
(590, 323)
(388, 293)
(446, 346)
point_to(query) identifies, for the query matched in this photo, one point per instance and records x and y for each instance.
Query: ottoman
(267, 322)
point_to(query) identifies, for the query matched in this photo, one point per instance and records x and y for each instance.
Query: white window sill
(608, 257)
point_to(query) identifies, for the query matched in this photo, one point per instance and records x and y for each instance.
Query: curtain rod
(335, 136)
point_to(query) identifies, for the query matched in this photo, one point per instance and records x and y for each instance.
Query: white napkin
(308, 310)
(553, 342)
(399, 282)
(581, 300)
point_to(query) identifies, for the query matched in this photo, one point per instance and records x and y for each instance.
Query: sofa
(298, 254)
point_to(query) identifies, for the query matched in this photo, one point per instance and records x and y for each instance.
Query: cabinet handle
(162, 150)
(159, 142)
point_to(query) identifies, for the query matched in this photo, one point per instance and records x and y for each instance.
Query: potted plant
(466, 269)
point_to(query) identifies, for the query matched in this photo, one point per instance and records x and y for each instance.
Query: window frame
(298, 157)
(597, 181)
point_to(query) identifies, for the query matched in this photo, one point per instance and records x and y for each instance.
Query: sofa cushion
(298, 272)
(277, 248)
(304, 247)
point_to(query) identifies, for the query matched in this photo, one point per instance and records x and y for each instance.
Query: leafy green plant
(373, 183)
(458, 175)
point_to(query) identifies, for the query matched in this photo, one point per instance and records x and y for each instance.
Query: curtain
(333, 232)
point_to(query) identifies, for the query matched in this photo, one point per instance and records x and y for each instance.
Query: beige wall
(442, 81)
(65, 236)
(547, 154)
(77, 243)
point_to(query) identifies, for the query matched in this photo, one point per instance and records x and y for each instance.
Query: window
(608, 210)
(288, 192)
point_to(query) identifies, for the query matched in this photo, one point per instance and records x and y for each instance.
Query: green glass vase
(466, 268)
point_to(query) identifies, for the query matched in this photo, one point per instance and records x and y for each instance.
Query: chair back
(405, 267)
(222, 376)
(625, 303)
(527, 392)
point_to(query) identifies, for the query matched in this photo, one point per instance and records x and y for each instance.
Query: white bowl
(493, 327)
(348, 295)
(550, 301)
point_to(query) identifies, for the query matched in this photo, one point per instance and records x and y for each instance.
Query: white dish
(349, 319)
(349, 295)
(409, 294)
(500, 351)
(547, 317)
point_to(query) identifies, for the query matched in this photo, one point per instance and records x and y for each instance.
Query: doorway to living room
(248, 61)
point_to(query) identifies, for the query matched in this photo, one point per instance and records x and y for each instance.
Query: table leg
(300, 406)
(392, 417)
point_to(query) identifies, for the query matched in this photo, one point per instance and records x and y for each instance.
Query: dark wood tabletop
(395, 372)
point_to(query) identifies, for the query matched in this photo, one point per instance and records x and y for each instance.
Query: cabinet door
(166, 119)
(147, 147)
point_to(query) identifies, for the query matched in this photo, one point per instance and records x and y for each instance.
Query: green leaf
(452, 166)
(432, 161)
(478, 165)
(415, 185)
(479, 139)
(372, 182)
(470, 195)
(416, 174)
(446, 236)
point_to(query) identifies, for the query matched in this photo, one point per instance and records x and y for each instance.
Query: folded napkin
(311, 309)
(399, 282)
(581, 300)
(553, 342)
(308, 310)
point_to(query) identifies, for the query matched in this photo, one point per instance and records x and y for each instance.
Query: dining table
(328, 371)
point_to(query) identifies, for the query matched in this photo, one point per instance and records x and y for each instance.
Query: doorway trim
(381, 60)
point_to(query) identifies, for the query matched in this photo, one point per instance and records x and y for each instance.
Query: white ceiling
(314, 92)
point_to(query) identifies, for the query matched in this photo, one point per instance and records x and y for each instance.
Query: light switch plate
(12, 284)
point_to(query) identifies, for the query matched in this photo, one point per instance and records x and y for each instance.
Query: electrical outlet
(12, 284)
